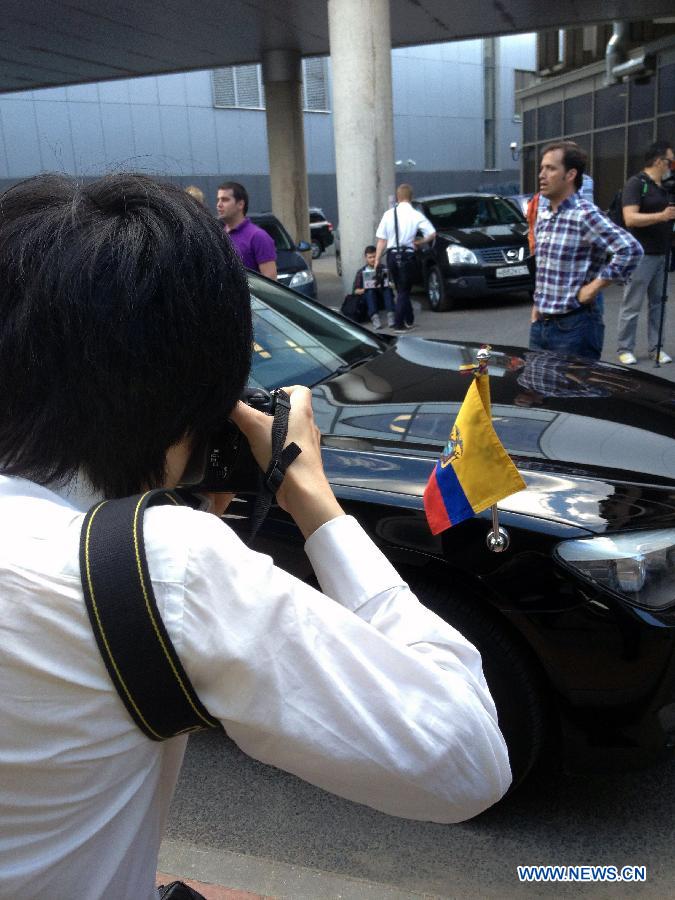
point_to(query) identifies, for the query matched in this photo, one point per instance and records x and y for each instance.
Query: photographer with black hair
(125, 340)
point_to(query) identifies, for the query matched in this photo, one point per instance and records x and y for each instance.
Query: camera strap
(136, 648)
(281, 459)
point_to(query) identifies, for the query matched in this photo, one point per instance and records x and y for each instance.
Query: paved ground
(505, 320)
(237, 823)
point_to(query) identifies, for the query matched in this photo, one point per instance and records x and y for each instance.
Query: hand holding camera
(234, 458)
(305, 492)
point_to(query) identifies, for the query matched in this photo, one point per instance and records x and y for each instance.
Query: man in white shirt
(397, 234)
(125, 335)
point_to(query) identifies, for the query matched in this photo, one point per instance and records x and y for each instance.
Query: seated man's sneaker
(377, 322)
(627, 358)
(391, 319)
(663, 357)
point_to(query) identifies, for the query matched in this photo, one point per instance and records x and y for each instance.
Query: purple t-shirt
(253, 244)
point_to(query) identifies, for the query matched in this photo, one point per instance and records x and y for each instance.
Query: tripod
(664, 294)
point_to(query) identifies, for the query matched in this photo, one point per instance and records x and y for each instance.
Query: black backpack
(615, 208)
(354, 308)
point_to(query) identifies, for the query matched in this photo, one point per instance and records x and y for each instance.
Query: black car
(575, 620)
(292, 268)
(321, 231)
(481, 248)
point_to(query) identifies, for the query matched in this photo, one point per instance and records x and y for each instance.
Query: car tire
(439, 299)
(317, 249)
(515, 682)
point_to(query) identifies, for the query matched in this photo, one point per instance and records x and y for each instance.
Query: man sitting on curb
(372, 283)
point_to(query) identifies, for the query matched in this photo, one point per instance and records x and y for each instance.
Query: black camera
(225, 462)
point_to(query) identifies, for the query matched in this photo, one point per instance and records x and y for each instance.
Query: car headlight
(300, 278)
(461, 256)
(640, 566)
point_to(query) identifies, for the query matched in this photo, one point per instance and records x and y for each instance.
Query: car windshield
(472, 212)
(277, 232)
(298, 342)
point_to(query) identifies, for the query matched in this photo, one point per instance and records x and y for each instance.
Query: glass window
(242, 86)
(471, 212)
(238, 87)
(639, 139)
(610, 105)
(529, 125)
(641, 99)
(530, 170)
(338, 337)
(503, 213)
(578, 112)
(667, 89)
(315, 84)
(665, 128)
(550, 121)
(608, 165)
(276, 231)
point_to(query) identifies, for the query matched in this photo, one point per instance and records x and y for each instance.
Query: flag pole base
(498, 541)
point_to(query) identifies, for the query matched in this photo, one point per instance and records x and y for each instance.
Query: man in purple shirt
(253, 244)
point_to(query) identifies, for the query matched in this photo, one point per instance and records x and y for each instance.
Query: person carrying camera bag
(125, 341)
(397, 235)
(648, 212)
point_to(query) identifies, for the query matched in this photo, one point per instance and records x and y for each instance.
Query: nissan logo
(511, 254)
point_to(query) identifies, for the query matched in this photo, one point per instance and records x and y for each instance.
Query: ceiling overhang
(52, 42)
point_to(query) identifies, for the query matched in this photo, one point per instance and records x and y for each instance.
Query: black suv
(292, 269)
(321, 231)
(481, 248)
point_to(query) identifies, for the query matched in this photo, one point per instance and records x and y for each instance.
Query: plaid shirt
(552, 375)
(572, 247)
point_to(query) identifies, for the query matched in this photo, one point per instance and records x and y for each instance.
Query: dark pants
(579, 333)
(372, 297)
(400, 275)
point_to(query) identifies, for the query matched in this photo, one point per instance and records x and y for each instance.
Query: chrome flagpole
(498, 539)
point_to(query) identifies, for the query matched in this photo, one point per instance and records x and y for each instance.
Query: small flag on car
(474, 470)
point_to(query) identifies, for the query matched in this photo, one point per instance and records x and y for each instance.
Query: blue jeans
(372, 298)
(580, 333)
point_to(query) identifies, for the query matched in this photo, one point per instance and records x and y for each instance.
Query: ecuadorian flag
(474, 470)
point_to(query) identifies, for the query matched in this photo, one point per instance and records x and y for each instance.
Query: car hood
(488, 236)
(595, 442)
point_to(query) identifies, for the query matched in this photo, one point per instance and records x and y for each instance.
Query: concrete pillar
(282, 77)
(363, 122)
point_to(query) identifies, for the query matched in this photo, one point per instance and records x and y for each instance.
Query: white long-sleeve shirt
(358, 689)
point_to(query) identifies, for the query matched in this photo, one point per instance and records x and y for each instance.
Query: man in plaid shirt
(578, 252)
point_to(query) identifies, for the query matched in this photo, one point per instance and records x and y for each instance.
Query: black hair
(573, 158)
(369, 249)
(125, 324)
(657, 151)
(239, 192)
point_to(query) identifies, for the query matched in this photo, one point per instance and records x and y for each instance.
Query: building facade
(454, 118)
(609, 88)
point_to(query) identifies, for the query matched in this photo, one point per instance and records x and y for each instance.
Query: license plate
(510, 271)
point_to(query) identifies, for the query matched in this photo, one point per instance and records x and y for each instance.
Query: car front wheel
(439, 300)
(317, 249)
(512, 675)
